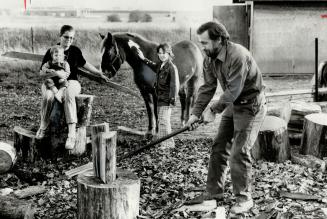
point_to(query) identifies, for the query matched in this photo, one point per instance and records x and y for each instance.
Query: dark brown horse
(120, 47)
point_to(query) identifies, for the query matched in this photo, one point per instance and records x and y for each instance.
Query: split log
(13, 208)
(208, 205)
(299, 196)
(299, 110)
(29, 191)
(99, 150)
(104, 155)
(128, 131)
(129, 134)
(118, 199)
(272, 143)
(26, 144)
(7, 157)
(78, 170)
(314, 135)
(84, 109)
(309, 161)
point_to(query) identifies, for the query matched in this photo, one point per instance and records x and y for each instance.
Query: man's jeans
(242, 124)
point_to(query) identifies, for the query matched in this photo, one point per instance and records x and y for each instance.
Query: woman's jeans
(238, 130)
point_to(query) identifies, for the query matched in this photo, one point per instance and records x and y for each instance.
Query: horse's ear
(109, 37)
(101, 35)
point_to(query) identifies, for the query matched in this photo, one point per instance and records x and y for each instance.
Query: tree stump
(7, 157)
(272, 143)
(314, 135)
(118, 199)
(105, 192)
(14, 208)
(58, 130)
(26, 144)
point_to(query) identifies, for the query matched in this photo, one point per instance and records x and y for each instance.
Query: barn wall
(283, 36)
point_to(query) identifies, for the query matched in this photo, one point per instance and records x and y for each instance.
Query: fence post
(32, 39)
(190, 33)
(316, 70)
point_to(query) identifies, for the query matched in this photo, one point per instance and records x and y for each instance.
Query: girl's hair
(65, 28)
(166, 48)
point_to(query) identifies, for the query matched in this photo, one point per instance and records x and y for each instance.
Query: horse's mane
(125, 36)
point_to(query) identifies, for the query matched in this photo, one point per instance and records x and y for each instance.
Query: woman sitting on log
(75, 60)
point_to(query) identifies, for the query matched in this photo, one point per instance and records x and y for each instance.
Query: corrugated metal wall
(283, 36)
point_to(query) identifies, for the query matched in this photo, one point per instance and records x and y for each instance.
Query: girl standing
(167, 86)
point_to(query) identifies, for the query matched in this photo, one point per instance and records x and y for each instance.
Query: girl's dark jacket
(167, 84)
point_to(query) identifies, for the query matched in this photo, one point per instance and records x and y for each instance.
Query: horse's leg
(190, 96)
(150, 111)
(182, 98)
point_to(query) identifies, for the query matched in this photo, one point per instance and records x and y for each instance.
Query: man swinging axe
(243, 109)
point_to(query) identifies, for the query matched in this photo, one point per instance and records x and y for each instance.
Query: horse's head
(112, 58)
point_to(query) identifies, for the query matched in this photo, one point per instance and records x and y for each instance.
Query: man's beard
(212, 53)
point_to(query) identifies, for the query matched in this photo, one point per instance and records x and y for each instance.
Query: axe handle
(151, 144)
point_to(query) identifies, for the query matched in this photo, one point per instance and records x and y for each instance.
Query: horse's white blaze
(131, 43)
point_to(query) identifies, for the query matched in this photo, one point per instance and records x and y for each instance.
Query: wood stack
(107, 192)
(314, 135)
(272, 143)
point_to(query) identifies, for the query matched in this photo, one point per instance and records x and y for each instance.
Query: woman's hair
(215, 30)
(65, 28)
(166, 48)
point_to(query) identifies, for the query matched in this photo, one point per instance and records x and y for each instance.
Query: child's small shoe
(40, 134)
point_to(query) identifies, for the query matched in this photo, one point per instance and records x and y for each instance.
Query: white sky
(187, 5)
